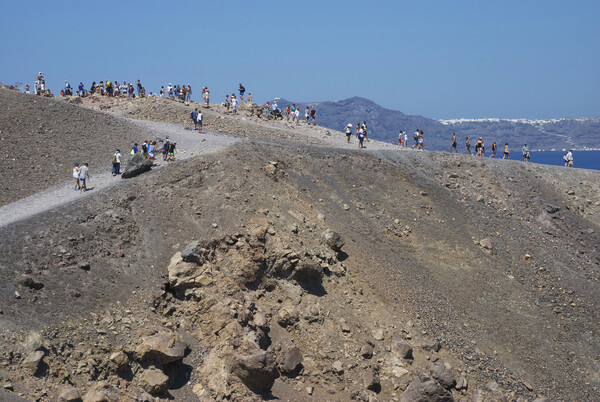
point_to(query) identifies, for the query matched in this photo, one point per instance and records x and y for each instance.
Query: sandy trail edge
(189, 143)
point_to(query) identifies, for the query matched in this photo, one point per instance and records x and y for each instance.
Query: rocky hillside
(384, 125)
(285, 267)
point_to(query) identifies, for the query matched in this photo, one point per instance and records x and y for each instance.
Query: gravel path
(189, 143)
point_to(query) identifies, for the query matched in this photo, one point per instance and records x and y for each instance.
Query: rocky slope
(288, 268)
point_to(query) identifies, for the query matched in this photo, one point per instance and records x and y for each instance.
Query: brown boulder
(154, 381)
(257, 371)
(289, 358)
(161, 348)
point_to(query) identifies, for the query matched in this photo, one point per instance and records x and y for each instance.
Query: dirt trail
(189, 143)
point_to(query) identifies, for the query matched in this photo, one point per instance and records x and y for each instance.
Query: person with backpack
(134, 149)
(145, 149)
(171, 151)
(116, 163)
(416, 138)
(194, 117)
(165, 148)
(241, 90)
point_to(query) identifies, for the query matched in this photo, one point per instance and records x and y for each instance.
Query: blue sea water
(581, 159)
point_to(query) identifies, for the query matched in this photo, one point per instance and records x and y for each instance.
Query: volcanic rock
(154, 381)
(425, 389)
(257, 371)
(333, 240)
(33, 360)
(137, 165)
(102, 392)
(161, 348)
(400, 347)
(289, 358)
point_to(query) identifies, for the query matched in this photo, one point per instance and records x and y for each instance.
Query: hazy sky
(440, 59)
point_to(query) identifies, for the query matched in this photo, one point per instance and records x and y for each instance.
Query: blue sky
(440, 59)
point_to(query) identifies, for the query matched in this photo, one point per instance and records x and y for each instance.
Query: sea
(581, 159)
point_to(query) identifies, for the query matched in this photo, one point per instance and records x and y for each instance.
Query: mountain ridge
(384, 124)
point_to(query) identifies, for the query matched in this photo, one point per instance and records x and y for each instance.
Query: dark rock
(442, 374)
(84, 265)
(366, 351)
(308, 270)
(192, 252)
(136, 166)
(257, 371)
(552, 209)
(433, 346)
(425, 389)
(400, 347)
(289, 359)
(29, 282)
(333, 240)
(371, 380)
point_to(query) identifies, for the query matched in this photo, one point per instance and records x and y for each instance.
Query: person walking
(453, 144)
(194, 117)
(360, 135)
(76, 175)
(199, 121)
(84, 175)
(568, 158)
(506, 151)
(493, 155)
(116, 163)
(468, 146)
(525, 153)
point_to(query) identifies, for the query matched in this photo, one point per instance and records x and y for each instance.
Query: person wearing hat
(76, 175)
(348, 130)
(116, 162)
